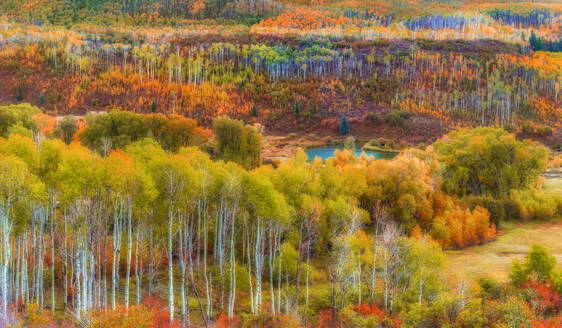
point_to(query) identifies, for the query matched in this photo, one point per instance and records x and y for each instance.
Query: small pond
(327, 152)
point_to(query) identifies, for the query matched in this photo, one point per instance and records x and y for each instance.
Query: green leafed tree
(488, 161)
(236, 142)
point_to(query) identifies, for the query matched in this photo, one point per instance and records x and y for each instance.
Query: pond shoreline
(281, 148)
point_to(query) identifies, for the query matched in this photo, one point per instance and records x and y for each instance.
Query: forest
(141, 183)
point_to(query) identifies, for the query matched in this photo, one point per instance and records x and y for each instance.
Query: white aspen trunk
(359, 275)
(129, 251)
(53, 222)
(91, 279)
(373, 269)
(41, 259)
(182, 267)
(279, 278)
(78, 289)
(72, 274)
(141, 268)
(151, 262)
(65, 264)
(116, 257)
(198, 239)
(18, 259)
(250, 272)
(84, 270)
(208, 289)
(188, 259)
(25, 283)
(385, 280)
(170, 266)
(258, 265)
(6, 230)
(232, 298)
(272, 249)
(307, 269)
(137, 264)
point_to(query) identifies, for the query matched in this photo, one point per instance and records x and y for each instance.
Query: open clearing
(494, 258)
(553, 186)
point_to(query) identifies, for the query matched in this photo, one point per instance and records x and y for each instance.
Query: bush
(537, 130)
(538, 263)
(21, 115)
(236, 142)
(513, 313)
(20, 130)
(136, 316)
(381, 90)
(533, 204)
(397, 118)
(373, 118)
(117, 129)
(373, 143)
(509, 128)
(66, 129)
(349, 143)
(459, 227)
(557, 282)
(499, 209)
(490, 288)
(382, 141)
(36, 318)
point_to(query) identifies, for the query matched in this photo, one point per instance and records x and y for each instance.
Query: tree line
(263, 80)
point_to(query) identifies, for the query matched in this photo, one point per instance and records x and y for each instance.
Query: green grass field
(494, 258)
(553, 186)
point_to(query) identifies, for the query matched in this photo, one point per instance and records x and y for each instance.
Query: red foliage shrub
(547, 300)
(325, 318)
(547, 323)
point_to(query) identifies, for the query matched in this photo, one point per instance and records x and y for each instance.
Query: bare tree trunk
(170, 266)
(129, 252)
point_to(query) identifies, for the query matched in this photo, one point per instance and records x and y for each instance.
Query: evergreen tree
(42, 98)
(533, 40)
(344, 125)
(19, 96)
(254, 110)
(153, 107)
(297, 109)
(540, 45)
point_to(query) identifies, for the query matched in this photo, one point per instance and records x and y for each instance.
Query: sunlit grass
(494, 258)
(553, 186)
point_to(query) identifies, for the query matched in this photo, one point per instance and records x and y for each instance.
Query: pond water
(327, 152)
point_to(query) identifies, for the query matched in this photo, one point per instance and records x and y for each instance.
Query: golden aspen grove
(280, 163)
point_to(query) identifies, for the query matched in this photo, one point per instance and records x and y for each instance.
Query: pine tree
(254, 110)
(19, 96)
(344, 125)
(42, 98)
(297, 109)
(540, 45)
(153, 107)
(533, 40)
